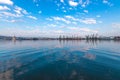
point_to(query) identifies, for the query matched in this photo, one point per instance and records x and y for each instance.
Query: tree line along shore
(87, 37)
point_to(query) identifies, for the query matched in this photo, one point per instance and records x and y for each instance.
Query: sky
(51, 18)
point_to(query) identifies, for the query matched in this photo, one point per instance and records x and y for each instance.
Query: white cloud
(74, 23)
(116, 25)
(64, 11)
(61, 19)
(40, 12)
(88, 21)
(13, 20)
(37, 5)
(98, 16)
(69, 17)
(105, 1)
(4, 8)
(9, 14)
(84, 3)
(86, 11)
(51, 25)
(33, 32)
(78, 29)
(72, 18)
(62, 1)
(16, 11)
(72, 3)
(63, 7)
(9, 2)
(75, 3)
(58, 31)
(24, 12)
(37, 31)
(32, 17)
(19, 10)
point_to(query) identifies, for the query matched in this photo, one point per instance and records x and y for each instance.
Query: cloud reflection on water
(77, 60)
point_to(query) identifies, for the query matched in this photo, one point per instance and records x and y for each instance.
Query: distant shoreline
(60, 38)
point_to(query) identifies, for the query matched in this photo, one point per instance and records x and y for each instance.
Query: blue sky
(59, 17)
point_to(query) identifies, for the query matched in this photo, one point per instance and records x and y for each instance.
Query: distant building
(14, 38)
(106, 38)
(117, 38)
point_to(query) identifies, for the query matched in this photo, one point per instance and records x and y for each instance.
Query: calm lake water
(59, 60)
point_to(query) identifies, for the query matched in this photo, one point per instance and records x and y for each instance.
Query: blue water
(59, 60)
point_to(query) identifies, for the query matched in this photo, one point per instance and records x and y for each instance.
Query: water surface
(59, 60)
